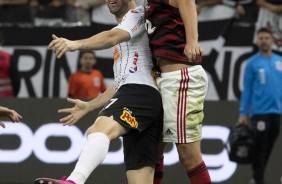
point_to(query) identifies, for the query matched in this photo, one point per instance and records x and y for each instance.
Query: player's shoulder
(277, 57)
(96, 72)
(254, 57)
(136, 11)
(134, 14)
(77, 74)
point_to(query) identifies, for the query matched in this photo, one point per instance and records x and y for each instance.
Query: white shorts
(183, 94)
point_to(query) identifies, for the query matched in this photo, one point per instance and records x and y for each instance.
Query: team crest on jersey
(128, 118)
(133, 69)
(278, 65)
(116, 54)
(96, 82)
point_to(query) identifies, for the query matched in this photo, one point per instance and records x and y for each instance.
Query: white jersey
(132, 59)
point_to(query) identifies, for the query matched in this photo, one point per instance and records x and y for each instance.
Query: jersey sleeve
(133, 22)
(247, 90)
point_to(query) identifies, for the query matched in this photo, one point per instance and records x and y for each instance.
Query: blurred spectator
(261, 99)
(101, 14)
(205, 3)
(15, 11)
(61, 12)
(6, 89)
(99, 11)
(49, 12)
(274, 6)
(246, 11)
(79, 11)
(270, 16)
(86, 82)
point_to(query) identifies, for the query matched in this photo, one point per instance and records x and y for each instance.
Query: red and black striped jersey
(166, 31)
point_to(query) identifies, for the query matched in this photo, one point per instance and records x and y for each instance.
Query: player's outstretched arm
(103, 40)
(9, 113)
(81, 108)
(62, 45)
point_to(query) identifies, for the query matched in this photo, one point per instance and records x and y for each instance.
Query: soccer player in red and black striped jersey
(173, 35)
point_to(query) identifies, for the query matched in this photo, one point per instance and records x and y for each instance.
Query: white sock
(92, 155)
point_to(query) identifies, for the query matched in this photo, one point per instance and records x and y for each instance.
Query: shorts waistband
(190, 69)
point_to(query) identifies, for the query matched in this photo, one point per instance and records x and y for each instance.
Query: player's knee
(189, 157)
(141, 175)
(189, 163)
(89, 131)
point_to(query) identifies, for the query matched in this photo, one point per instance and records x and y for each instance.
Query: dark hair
(81, 53)
(264, 30)
(85, 51)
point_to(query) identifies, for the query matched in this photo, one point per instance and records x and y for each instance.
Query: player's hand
(242, 120)
(194, 52)
(80, 109)
(2, 124)
(61, 45)
(9, 113)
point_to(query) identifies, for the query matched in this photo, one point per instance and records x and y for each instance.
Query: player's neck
(86, 70)
(266, 53)
(131, 5)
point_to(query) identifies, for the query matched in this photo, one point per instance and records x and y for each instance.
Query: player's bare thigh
(141, 176)
(108, 126)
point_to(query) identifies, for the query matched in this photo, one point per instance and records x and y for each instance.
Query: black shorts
(138, 107)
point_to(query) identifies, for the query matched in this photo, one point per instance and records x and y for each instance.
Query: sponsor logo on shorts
(128, 118)
(168, 132)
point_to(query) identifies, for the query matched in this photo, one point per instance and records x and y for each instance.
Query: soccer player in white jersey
(132, 107)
